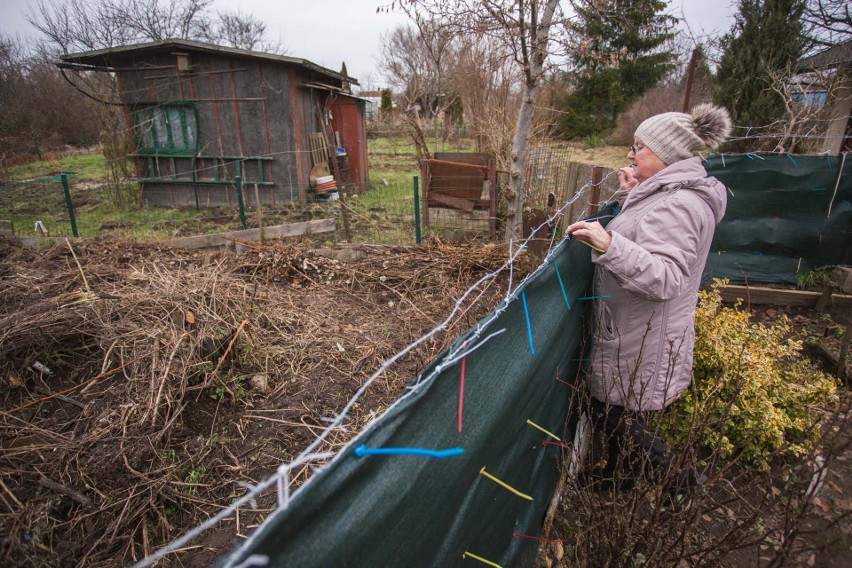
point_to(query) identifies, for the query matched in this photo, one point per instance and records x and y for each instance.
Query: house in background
(374, 103)
(836, 60)
(201, 114)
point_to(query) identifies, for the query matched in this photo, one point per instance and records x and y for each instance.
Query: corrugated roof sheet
(102, 56)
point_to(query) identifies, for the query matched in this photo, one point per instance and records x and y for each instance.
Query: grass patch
(86, 167)
(394, 145)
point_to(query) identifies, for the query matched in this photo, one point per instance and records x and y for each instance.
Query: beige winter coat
(642, 351)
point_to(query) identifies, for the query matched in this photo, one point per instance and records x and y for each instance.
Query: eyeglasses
(636, 148)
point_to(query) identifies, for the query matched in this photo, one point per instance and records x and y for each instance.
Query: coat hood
(687, 174)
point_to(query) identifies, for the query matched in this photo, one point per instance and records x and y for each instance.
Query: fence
(43, 207)
(385, 213)
(62, 206)
(786, 214)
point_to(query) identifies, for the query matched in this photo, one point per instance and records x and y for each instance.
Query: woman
(649, 261)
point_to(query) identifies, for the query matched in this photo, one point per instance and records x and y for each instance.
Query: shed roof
(100, 57)
(833, 56)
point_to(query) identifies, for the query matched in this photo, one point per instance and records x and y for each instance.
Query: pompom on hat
(674, 136)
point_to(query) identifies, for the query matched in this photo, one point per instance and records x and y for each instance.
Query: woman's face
(646, 164)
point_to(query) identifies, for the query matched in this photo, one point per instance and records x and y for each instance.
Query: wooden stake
(80, 268)
(259, 212)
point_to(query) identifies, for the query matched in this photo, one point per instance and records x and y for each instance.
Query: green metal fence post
(68, 204)
(37, 149)
(417, 210)
(240, 201)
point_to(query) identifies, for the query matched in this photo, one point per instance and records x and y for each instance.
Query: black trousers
(632, 450)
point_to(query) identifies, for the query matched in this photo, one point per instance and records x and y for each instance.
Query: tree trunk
(520, 145)
(418, 136)
(534, 57)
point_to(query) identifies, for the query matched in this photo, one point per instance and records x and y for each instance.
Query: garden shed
(201, 114)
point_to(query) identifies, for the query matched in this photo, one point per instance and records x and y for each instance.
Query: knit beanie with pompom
(674, 136)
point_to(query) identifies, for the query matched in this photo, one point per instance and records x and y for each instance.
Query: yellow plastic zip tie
(509, 487)
(551, 434)
(465, 554)
(591, 246)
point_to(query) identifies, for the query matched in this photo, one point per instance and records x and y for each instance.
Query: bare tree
(417, 61)
(523, 27)
(488, 83)
(75, 25)
(827, 22)
(805, 96)
(39, 113)
(162, 19)
(240, 30)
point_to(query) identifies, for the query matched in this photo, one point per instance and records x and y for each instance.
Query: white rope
(250, 496)
(836, 185)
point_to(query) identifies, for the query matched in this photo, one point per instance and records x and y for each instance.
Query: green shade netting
(786, 214)
(406, 510)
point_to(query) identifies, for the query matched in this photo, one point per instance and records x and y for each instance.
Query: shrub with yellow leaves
(753, 395)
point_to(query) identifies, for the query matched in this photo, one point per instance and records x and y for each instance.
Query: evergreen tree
(386, 107)
(619, 55)
(766, 39)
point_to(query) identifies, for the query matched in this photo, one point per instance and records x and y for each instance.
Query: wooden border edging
(273, 232)
(756, 295)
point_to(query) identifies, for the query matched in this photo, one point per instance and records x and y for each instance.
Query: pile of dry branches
(144, 387)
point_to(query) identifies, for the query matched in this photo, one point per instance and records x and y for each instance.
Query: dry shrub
(657, 100)
(145, 386)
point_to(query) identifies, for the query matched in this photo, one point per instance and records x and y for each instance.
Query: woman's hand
(627, 178)
(592, 234)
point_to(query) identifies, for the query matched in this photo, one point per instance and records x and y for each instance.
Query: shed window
(167, 128)
(813, 98)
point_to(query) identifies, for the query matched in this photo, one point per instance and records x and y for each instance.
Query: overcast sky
(329, 32)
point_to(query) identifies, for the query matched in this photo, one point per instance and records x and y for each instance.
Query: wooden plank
(756, 296)
(841, 277)
(475, 158)
(450, 201)
(492, 199)
(273, 232)
(570, 190)
(424, 190)
(595, 197)
(461, 165)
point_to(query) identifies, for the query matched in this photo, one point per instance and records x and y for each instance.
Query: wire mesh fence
(61, 206)
(383, 213)
(39, 207)
(50, 207)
